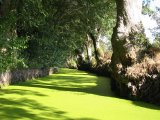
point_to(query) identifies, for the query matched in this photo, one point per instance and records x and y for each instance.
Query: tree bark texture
(124, 52)
(135, 71)
(20, 27)
(128, 23)
(88, 45)
(5, 7)
(96, 45)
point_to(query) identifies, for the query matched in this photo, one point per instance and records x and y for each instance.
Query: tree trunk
(96, 45)
(89, 48)
(125, 53)
(128, 25)
(20, 21)
(5, 7)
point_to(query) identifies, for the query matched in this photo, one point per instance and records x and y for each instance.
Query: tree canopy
(39, 33)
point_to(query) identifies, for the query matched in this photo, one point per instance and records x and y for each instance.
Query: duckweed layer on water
(70, 95)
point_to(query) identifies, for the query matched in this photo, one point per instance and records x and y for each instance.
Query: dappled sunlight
(72, 95)
(88, 83)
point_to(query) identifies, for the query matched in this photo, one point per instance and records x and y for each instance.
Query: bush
(71, 63)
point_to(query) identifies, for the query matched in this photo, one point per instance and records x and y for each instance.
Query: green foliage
(146, 10)
(100, 53)
(156, 43)
(139, 39)
(71, 63)
(39, 33)
(10, 45)
(93, 62)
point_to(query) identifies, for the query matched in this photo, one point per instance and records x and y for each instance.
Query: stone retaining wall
(16, 76)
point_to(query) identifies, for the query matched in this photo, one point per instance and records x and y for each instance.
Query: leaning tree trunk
(96, 44)
(125, 53)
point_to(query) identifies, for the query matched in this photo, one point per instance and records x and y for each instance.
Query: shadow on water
(79, 81)
(85, 84)
(14, 109)
(20, 92)
(146, 105)
(22, 108)
(74, 81)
